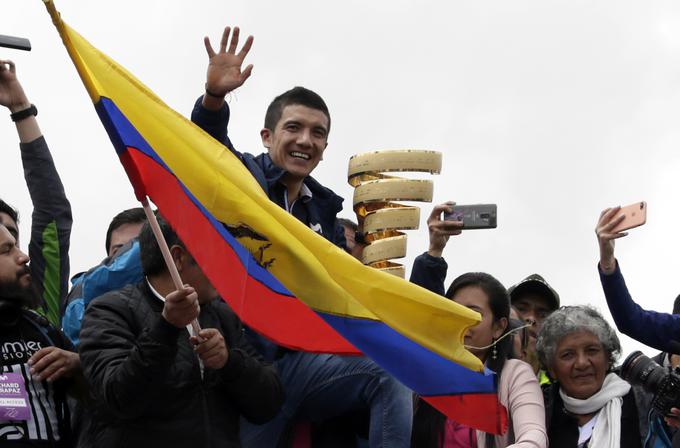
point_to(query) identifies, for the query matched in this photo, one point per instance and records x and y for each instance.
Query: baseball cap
(535, 284)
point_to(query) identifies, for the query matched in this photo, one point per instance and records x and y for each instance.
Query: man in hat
(534, 300)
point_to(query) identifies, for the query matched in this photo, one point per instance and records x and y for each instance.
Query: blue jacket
(124, 268)
(649, 327)
(322, 208)
(429, 272)
(324, 205)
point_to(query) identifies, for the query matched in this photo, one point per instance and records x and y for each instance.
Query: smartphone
(477, 216)
(635, 215)
(18, 43)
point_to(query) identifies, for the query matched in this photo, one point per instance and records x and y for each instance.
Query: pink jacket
(520, 393)
(458, 436)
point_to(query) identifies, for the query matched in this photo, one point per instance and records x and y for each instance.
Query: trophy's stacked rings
(374, 196)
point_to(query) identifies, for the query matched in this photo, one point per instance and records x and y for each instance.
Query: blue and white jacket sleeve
(113, 273)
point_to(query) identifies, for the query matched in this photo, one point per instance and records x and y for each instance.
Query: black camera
(640, 370)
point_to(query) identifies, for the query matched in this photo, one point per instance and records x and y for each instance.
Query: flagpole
(174, 273)
(61, 28)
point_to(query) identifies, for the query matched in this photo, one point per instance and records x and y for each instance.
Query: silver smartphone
(476, 216)
(17, 43)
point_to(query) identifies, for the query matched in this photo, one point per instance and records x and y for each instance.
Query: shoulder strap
(657, 437)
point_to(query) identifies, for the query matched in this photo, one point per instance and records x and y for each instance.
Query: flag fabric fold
(279, 276)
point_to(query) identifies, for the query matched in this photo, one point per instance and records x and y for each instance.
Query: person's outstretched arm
(429, 268)
(651, 328)
(52, 220)
(224, 75)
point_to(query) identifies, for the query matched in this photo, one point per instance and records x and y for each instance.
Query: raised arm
(51, 224)
(649, 327)
(429, 268)
(224, 75)
(13, 97)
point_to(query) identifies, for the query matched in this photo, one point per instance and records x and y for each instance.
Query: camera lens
(640, 369)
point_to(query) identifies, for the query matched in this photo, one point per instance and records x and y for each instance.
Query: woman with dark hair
(518, 388)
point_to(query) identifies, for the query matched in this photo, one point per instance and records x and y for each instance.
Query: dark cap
(535, 284)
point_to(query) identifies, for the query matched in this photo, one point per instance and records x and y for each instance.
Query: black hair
(348, 223)
(297, 95)
(130, 216)
(428, 422)
(676, 305)
(11, 211)
(150, 252)
(428, 425)
(499, 302)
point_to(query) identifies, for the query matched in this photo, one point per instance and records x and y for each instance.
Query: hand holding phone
(634, 215)
(612, 225)
(476, 216)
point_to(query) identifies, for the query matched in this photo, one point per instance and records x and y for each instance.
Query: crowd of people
(114, 360)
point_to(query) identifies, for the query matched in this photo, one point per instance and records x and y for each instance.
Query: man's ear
(179, 256)
(266, 136)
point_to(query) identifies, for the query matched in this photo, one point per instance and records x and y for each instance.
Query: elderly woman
(588, 405)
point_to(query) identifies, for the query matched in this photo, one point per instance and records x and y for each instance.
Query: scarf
(608, 400)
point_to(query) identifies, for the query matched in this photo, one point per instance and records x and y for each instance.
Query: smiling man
(295, 134)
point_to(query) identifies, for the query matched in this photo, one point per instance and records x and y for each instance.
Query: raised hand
(441, 230)
(605, 237)
(224, 67)
(12, 94)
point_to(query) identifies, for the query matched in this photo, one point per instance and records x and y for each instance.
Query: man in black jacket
(51, 219)
(155, 382)
(37, 365)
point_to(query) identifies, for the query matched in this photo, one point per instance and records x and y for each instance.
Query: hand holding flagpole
(176, 279)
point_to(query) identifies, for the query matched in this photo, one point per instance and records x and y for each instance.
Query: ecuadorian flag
(279, 276)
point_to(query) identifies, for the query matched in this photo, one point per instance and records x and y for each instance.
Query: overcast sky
(553, 110)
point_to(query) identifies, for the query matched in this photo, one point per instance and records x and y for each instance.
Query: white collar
(153, 290)
(305, 192)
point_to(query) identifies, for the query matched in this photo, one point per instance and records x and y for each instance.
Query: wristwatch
(25, 113)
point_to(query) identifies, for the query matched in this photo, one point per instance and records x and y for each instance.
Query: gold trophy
(380, 218)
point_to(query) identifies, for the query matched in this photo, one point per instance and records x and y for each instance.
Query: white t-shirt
(585, 432)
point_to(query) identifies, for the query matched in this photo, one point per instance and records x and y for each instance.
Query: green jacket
(50, 228)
